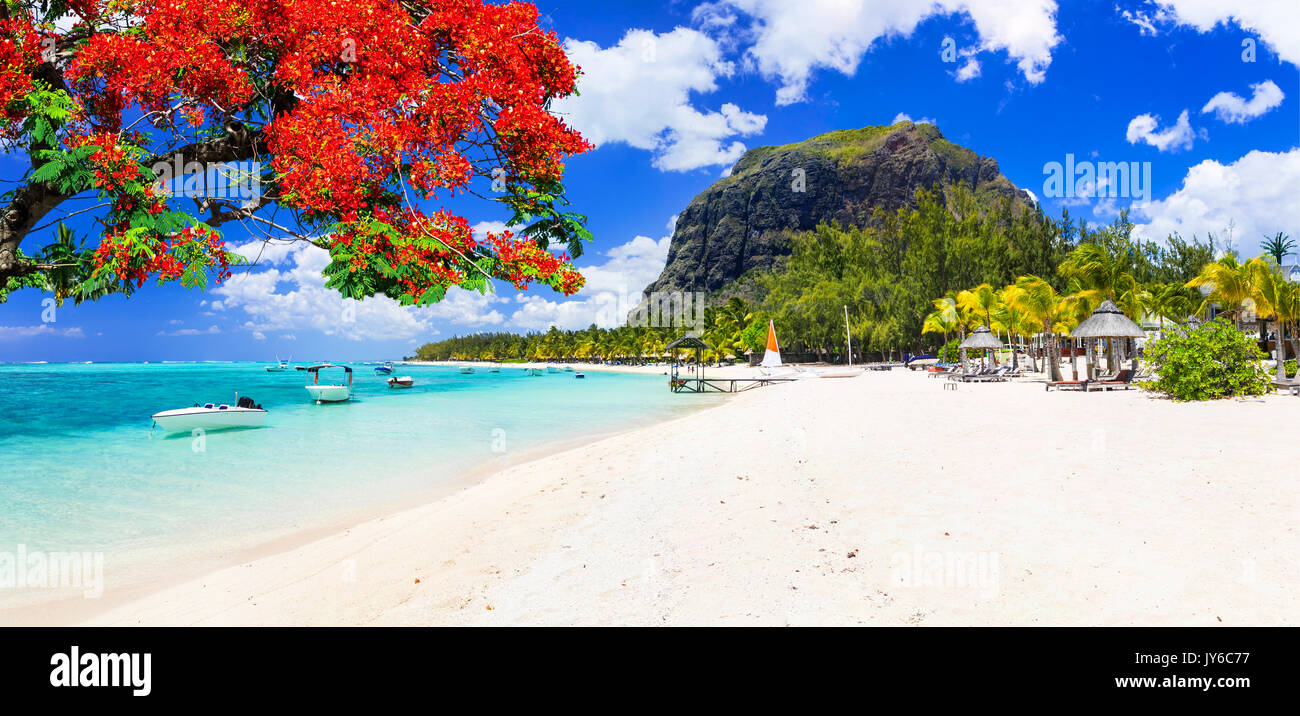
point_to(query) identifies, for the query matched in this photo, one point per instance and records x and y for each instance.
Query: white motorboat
(466, 369)
(534, 372)
(328, 392)
(280, 365)
(404, 381)
(209, 416)
(579, 375)
(552, 369)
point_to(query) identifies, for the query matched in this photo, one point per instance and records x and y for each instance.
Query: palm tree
(1096, 269)
(1009, 315)
(1229, 283)
(1279, 247)
(1040, 301)
(1272, 296)
(943, 319)
(1166, 300)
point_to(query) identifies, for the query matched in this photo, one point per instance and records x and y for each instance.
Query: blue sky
(674, 92)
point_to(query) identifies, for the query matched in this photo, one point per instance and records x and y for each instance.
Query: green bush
(950, 353)
(1290, 368)
(1214, 361)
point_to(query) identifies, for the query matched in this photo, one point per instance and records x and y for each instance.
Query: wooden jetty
(693, 380)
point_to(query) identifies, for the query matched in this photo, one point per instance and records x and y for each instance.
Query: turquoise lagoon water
(81, 469)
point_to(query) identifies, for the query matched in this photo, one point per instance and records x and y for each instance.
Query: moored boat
(328, 392)
(209, 416)
(534, 372)
(404, 381)
(386, 369)
(466, 369)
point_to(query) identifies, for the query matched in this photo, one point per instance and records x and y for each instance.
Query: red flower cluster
(117, 174)
(20, 53)
(180, 52)
(362, 98)
(134, 260)
(419, 252)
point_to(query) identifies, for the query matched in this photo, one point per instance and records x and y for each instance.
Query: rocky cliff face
(743, 221)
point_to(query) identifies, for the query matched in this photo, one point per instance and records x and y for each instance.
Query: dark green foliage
(1211, 362)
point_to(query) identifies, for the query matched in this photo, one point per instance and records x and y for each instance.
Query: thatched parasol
(981, 338)
(1108, 322)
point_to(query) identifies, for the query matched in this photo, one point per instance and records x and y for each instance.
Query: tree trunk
(1281, 353)
(1053, 365)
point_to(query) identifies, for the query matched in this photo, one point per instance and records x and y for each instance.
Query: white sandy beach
(881, 499)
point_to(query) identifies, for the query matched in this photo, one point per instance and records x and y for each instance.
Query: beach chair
(1065, 385)
(1122, 380)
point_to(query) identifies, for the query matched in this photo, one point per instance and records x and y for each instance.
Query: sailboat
(280, 365)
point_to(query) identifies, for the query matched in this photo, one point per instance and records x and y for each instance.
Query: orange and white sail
(772, 357)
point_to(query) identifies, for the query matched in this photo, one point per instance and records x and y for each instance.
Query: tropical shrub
(950, 353)
(1211, 362)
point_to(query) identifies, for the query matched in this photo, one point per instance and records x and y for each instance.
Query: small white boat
(385, 369)
(568, 369)
(404, 381)
(466, 369)
(280, 365)
(328, 392)
(494, 369)
(209, 416)
(552, 369)
(534, 372)
(579, 375)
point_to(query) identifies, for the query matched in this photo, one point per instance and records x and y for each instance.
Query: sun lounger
(1121, 381)
(1066, 385)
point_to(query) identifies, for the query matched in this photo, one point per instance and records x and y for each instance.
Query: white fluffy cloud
(1229, 107)
(43, 329)
(1273, 21)
(905, 117)
(290, 295)
(638, 92)
(1144, 128)
(792, 39)
(613, 288)
(1255, 195)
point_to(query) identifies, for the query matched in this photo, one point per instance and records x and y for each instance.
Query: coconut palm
(1009, 315)
(1040, 301)
(979, 303)
(944, 319)
(1279, 246)
(1166, 300)
(1272, 297)
(1230, 285)
(1096, 269)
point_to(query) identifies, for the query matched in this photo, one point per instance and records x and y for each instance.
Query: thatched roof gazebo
(1107, 322)
(981, 338)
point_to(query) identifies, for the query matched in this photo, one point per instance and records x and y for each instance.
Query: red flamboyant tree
(340, 113)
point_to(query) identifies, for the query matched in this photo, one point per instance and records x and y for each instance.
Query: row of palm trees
(1033, 307)
(723, 330)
